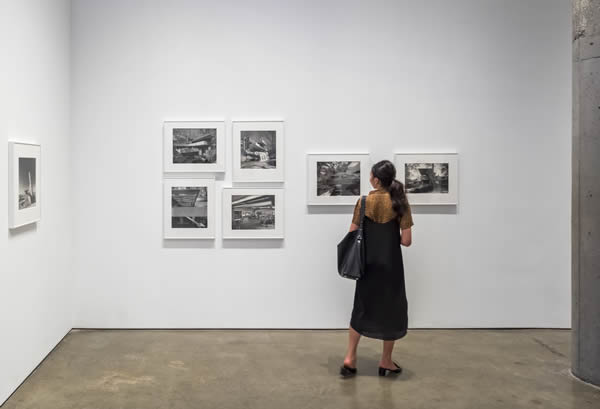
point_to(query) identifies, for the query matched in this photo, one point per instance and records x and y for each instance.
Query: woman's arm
(406, 237)
(353, 227)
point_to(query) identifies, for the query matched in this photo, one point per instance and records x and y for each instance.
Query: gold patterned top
(379, 209)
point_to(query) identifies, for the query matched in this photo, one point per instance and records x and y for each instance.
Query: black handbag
(351, 250)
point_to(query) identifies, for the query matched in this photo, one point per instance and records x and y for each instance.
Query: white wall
(490, 79)
(35, 262)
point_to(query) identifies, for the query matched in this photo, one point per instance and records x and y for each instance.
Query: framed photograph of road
(430, 178)
(255, 213)
(258, 154)
(24, 182)
(189, 209)
(337, 179)
(194, 146)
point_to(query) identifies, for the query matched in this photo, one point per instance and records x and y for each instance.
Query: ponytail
(398, 197)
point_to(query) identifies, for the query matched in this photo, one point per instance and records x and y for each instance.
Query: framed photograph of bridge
(255, 213)
(192, 147)
(337, 179)
(430, 178)
(258, 154)
(24, 177)
(189, 209)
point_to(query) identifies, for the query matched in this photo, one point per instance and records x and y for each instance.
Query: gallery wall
(487, 79)
(35, 261)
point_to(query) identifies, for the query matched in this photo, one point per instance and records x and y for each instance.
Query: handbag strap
(363, 203)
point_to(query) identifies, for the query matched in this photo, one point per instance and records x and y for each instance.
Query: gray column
(586, 191)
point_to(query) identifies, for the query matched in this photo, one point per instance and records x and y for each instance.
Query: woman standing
(380, 306)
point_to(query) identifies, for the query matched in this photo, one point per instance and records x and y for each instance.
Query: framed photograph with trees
(428, 178)
(337, 179)
(258, 151)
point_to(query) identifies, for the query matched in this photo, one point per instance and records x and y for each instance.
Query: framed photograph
(255, 213)
(194, 146)
(189, 209)
(429, 179)
(337, 179)
(258, 154)
(24, 172)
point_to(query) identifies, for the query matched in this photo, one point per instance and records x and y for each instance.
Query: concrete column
(586, 191)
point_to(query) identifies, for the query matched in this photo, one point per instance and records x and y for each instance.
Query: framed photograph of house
(192, 147)
(429, 179)
(255, 213)
(189, 209)
(337, 179)
(258, 154)
(24, 173)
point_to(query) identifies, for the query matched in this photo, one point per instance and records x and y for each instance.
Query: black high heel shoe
(384, 371)
(347, 372)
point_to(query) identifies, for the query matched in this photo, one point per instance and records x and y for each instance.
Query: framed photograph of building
(429, 179)
(189, 209)
(24, 170)
(194, 146)
(258, 154)
(255, 213)
(337, 179)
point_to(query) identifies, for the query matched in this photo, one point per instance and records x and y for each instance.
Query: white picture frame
(189, 146)
(253, 213)
(256, 139)
(24, 184)
(189, 204)
(440, 173)
(323, 190)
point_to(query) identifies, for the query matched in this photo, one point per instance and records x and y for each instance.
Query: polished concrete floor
(479, 369)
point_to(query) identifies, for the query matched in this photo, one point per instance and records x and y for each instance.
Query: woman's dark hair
(385, 171)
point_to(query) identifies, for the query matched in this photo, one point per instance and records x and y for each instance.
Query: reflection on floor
(298, 369)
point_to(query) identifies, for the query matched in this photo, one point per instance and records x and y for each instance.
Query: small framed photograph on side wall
(24, 183)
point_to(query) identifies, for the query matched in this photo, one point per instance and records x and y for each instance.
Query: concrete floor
(298, 369)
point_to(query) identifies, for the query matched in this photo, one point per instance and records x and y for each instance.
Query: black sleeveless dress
(380, 306)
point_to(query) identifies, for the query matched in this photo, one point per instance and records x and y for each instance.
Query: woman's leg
(386, 356)
(353, 338)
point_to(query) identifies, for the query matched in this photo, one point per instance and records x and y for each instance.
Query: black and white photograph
(258, 150)
(191, 147)
(195, 145)
(429, 178)
(24, 179)
(426, 178)
(189, 207)
(27, 183)
(249, 212)
(338, 178)
(253, 213)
